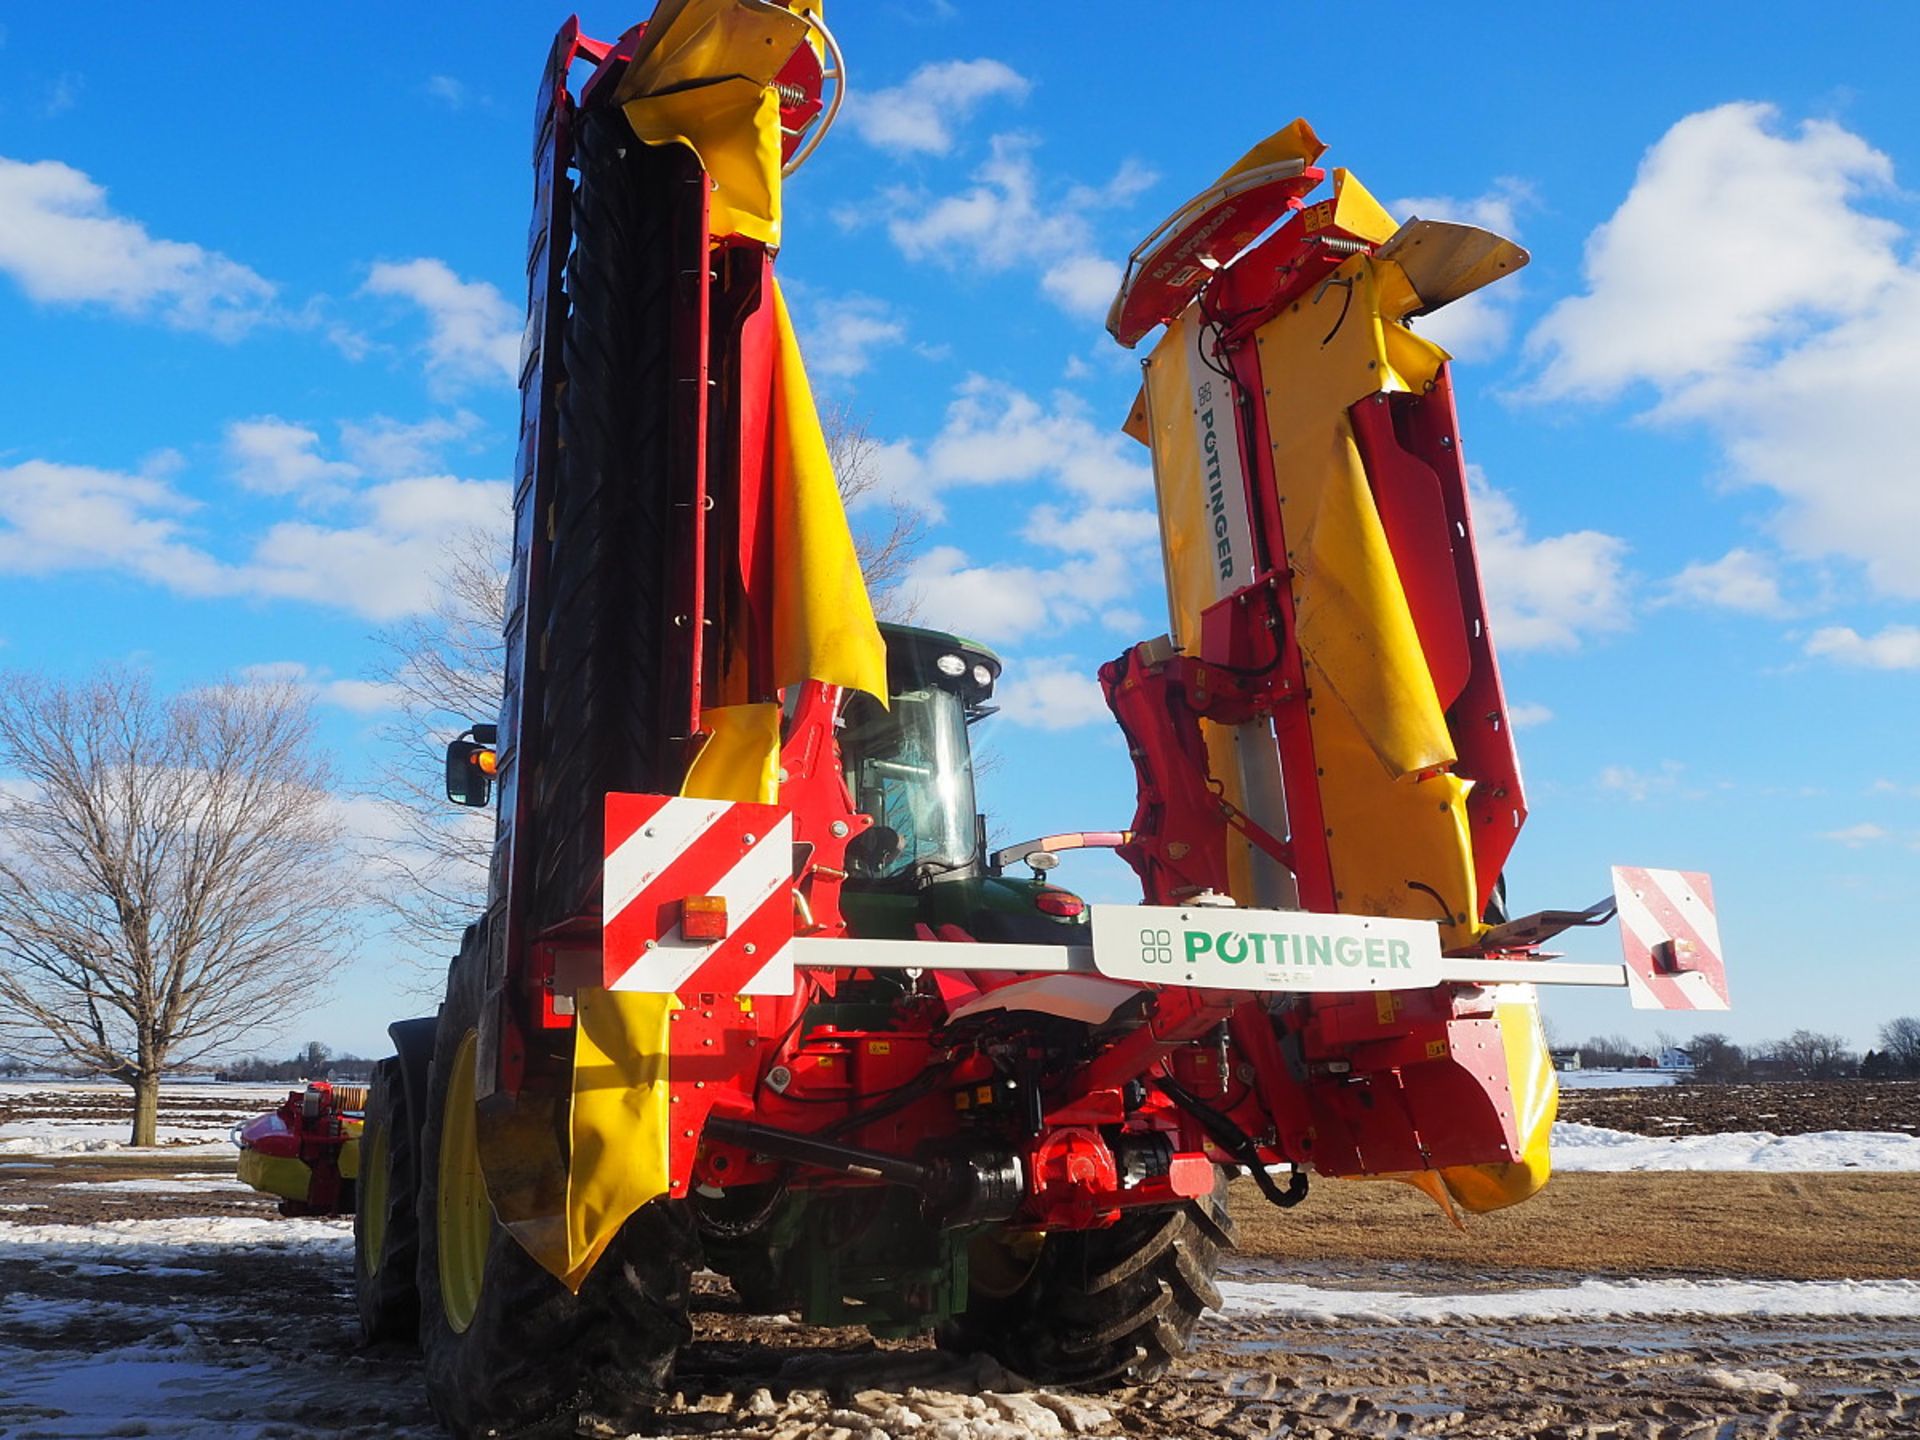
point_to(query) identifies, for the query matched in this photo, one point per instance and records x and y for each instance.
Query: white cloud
(395, 450)
(1052, 694)
(272, 456)
(384, 567)
(1896, 647)
(1105, 562)
(1545, 594)
(379, 564)
(920, 115)
(1475, 327)
(1528, 716)
(360, 697)
(447, 90)
(1723, 180)
(63, 245)
(1856, 836)
(1788, 340)
(843, 333)
(1739, 580)
(1095, 538)
(1478, 326)
(1641, 785)
(995, 434)
(993, 601)
(473, 333)
(1498, 209)
(62, 93)
(73, 517)
(1083, 285)
(1007, 220)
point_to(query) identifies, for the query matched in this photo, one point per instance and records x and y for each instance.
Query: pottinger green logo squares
(1156, 947)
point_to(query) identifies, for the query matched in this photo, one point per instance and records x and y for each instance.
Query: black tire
(386, 1246)
(1105, 1307)
(611, 560)
(535, 1361)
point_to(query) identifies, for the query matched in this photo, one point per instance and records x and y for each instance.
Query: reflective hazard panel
(1670, 938)
(663, 849)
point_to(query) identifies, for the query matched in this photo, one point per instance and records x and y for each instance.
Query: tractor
(750, 990)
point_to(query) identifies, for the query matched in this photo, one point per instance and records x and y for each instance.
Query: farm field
(147, 1293)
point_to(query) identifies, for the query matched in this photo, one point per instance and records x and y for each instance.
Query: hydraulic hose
(1236, 1142)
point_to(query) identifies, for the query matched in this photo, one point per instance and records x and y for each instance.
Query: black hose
(1237, 1143)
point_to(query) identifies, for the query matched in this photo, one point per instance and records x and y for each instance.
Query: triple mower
(751, 992)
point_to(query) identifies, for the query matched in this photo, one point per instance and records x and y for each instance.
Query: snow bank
(1589, 1147)
(1589, 1300)
(167, 1239)
(55, 1137)
(1618, 1079)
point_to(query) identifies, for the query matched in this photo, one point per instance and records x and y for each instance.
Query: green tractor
(910, 767)
(923, 869)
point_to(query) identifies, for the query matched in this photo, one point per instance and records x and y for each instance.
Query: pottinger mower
(748, 987)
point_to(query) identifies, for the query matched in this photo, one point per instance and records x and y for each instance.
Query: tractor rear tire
(1103, 1308)
(386, 1232)
(508, 1351)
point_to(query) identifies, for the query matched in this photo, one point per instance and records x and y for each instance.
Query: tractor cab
(909, 766)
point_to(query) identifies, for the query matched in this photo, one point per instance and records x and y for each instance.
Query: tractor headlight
(952, 665)
(982, 676)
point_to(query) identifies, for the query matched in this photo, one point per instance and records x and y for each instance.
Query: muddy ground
(258, 1340)
(1784, 1107)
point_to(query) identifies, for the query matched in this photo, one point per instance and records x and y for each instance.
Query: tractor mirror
(469, 772)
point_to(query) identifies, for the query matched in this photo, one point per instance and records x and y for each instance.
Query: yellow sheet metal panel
(700, 79)
(823, 619)
(1206, 544)
(1356, 211)
(1295, 142)
(1536, 1102)
(280, 1175)
(1380, 736)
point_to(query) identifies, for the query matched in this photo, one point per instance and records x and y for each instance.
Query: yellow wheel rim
(465, 1214)
(373, 1196)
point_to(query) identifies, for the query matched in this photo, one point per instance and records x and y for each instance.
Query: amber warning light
(703, 917)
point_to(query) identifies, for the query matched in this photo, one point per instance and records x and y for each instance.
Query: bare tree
(1900, 1040)
(1816, 1056)
(429, 863)
(167, 880)
(888, 542)
(1717, 1058)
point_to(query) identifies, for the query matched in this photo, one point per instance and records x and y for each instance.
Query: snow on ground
(163, 1185)
(162, 1239)
(1590, 1147)
(1587, 1300)
(1618, 1079)
(195, 1117)
(96, 1137)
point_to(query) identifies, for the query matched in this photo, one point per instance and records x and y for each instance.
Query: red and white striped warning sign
(660, 850)
(1671, 939)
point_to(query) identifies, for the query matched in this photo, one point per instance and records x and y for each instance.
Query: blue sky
(260, 291)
